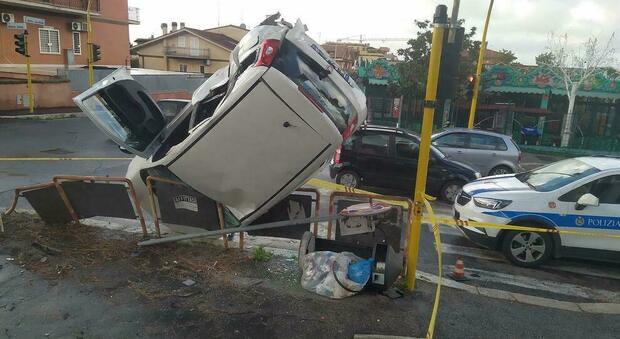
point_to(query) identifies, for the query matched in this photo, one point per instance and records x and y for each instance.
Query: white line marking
(598, 308)
(542, 285)
(472, 252)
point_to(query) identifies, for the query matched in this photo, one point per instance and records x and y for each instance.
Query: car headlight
(492, 204)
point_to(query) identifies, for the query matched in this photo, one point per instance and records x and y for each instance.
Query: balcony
(187, 52)
(60, 6)
(133, 15)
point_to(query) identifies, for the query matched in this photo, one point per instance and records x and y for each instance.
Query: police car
(579, 194)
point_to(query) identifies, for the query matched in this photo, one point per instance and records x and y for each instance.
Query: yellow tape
(62, 159)
(340, 188)
(435, 227)
(454, 223)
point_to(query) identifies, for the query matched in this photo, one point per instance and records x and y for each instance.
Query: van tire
(501, 169)
(348, 178)
(448, 193)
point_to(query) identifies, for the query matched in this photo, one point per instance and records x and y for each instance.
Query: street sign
(16, 25)
(34, 21)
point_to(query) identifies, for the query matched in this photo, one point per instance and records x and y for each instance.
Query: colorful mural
(377, 72)
(538, 80)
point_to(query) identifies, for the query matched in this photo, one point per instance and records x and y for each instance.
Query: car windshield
(557, 175)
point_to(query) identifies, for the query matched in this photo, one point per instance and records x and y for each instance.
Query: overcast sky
(522, 26)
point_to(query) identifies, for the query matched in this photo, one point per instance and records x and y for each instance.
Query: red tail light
(349, 130)
(337, 155)
(268, 51)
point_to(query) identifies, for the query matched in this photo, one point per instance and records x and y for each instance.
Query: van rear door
(122, 109)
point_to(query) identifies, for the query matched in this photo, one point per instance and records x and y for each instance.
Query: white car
(572, 194)
(256, 130)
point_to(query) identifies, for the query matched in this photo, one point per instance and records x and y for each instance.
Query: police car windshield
(556, 175)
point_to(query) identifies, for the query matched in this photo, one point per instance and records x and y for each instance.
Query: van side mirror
(585, 200)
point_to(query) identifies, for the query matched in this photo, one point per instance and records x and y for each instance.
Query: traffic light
(21, 43)
(471, 85)
(96, 50)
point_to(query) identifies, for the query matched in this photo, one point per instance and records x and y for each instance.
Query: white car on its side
(255, 131)
(581, 194)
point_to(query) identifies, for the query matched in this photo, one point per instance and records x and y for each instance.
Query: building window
(182, 68)
(49, 41)
(181, 42)
(202, 69)
(77, 43)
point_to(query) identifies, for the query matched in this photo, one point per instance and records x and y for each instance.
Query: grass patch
(260, 254)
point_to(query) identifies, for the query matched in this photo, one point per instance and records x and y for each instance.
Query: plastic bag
(359, 272)
(325, 273)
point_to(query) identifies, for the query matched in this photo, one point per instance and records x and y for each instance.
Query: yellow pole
(29, 75)
(440, 22)
(89, 39)
(483, 48)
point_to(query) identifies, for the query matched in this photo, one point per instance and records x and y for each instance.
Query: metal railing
(81, 5)
(199, 53)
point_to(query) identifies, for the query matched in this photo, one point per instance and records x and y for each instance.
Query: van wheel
(527, 249)
(348, 178)
(450, 190)
(499, 170)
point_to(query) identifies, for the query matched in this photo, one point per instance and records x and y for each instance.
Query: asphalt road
(27, 145)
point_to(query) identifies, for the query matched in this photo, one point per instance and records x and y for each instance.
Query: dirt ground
(233, 296)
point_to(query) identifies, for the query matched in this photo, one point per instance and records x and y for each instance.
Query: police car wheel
(348, 179)
(527, 249)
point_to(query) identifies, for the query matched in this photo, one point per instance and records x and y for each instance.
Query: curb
(51, 116)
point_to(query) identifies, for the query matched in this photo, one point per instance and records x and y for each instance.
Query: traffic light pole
(440, 22)
(483, 48)
(89, 39)
(30, 96)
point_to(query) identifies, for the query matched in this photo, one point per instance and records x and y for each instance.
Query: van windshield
(313, 81)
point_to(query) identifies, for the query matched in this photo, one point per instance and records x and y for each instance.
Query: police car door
(603, 217)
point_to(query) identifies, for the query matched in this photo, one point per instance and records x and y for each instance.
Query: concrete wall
(46, 95)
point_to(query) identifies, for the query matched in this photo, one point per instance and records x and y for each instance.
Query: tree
(545, 59)
(574, 66)
(506, 56)
(414, 70)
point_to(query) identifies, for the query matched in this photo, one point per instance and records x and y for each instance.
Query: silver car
(488, 152)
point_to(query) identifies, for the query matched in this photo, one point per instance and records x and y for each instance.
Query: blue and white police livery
(573, 194)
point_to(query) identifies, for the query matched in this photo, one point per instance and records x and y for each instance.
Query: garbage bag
(326, 273)
(359, 272)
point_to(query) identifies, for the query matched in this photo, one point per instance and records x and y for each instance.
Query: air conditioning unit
(77, 26)
(7, 17)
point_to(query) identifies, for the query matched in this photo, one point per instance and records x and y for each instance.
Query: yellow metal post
(440, 22)
(483, 48)
(29, 75)
(89, 40)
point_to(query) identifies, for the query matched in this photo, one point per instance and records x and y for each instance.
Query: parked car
(489, 153)
(580, 194)
(387, 157)
(172, 107)
(256, 131)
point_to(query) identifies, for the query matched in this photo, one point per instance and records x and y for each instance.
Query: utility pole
(440, 22)
(21, 43)
(89, 40)
(483, 48)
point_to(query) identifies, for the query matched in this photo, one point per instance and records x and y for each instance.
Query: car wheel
(450, 190)
(527, 249)
(499, 170)
(348, 179)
